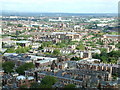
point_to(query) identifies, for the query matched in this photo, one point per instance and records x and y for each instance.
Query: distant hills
(10, 13)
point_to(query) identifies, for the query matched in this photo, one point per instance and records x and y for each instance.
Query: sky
(61, 6)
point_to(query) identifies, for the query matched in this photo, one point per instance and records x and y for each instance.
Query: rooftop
(23, 41)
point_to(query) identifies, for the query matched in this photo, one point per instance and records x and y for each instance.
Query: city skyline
(60, 44)
(66, 6)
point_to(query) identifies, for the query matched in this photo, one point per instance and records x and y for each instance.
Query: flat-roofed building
(24, 43)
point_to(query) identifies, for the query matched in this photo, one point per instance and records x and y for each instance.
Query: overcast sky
(66, 6)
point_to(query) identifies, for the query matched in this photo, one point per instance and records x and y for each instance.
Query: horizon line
(6, 11)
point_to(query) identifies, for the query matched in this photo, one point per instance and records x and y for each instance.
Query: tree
(47, 44)
(34, 85)
(112, 60)
(21, 69)
(66, 41)
(104, 59)
(9, 24)
(103, 53)
(103, 50)
(49, 80)
(19, 25)
(73, 42)
(118, 45)
(46, 82)
(75, 58)
(17, 32)
(99, 41)
(45, 86)
(8, 66)
(10, 50)
(80, 47)
(115, 54)
(89, 27)
(23, 87)
(29, 65)
(96, 55)
(70, 86)
(22, 49)
(56, 52)
(61, 45)
(111, 57)
(41, 47)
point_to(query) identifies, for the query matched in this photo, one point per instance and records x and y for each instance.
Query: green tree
(22, 49)
(112, 60)
(21, 69)
(103, 50)
(47, 44)
(111, 57)
(27, 48)
(105, 54)
(19, 25)
(45, 86)
(75, 58)
(23, 87)
(80, 47)
(70, 86)
(115, 54)
(104, 59)
(99, 41)
(56, 52)
(34, 85)
(10, 50)
(17, 33)
(88, 27)
(73, 42)
(48, 80)
(9, 24)
(41, 47)
(60, 45)
(96, 55)
(8, 66)
(29, 65)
